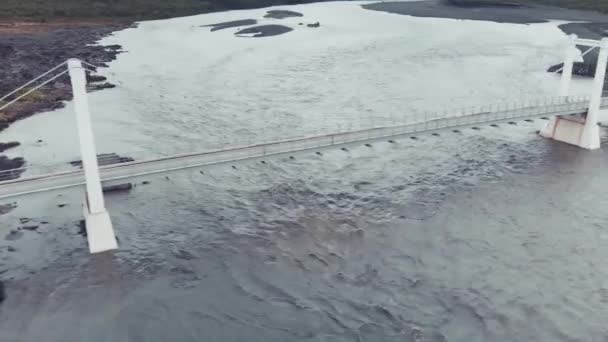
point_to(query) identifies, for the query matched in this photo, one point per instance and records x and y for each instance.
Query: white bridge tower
(572, 129)
(100, 232)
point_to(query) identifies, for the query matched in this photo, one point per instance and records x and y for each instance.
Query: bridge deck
(125, 171)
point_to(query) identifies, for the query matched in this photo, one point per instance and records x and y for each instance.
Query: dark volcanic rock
(230, 24)
(100, 86)
(6, 146)
(282, 14)
(265, 31)
(117, 188)
(95, 78)
(11, 168)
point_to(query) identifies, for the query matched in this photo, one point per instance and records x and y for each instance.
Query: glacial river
(491, 235)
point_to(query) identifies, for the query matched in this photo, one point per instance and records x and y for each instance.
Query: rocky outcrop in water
(264, 31)
(282, 14)
(30, 50)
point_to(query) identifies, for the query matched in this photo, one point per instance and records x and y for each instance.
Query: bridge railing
(418, 122)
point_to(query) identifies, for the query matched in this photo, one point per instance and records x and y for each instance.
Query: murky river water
(491, 235)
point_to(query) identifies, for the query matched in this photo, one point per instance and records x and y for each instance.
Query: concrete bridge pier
(100, 232)
(572, 129)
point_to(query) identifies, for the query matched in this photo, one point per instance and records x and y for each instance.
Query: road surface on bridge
(426, 124)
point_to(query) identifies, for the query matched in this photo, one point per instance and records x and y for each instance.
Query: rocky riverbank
(30, 49)
(586, 24)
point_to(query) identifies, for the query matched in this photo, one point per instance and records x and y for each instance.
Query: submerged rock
(282, 14)
(6, 146)
(11, 168)
(264, 31)
(118, 187)
(95, 78)
(100, 86)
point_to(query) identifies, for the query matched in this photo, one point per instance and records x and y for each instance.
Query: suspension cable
(30, 82)
(34, 89)
(588, 50)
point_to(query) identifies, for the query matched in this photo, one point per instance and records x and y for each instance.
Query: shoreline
(29, 49)
(586, 24)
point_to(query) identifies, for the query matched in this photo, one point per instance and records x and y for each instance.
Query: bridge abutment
(100, 232)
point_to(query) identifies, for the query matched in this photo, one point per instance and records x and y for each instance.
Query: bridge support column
(590, 138)
(548, 131)
(100, 232)
(583, 132)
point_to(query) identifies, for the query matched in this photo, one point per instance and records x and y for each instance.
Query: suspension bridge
(571, 119)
